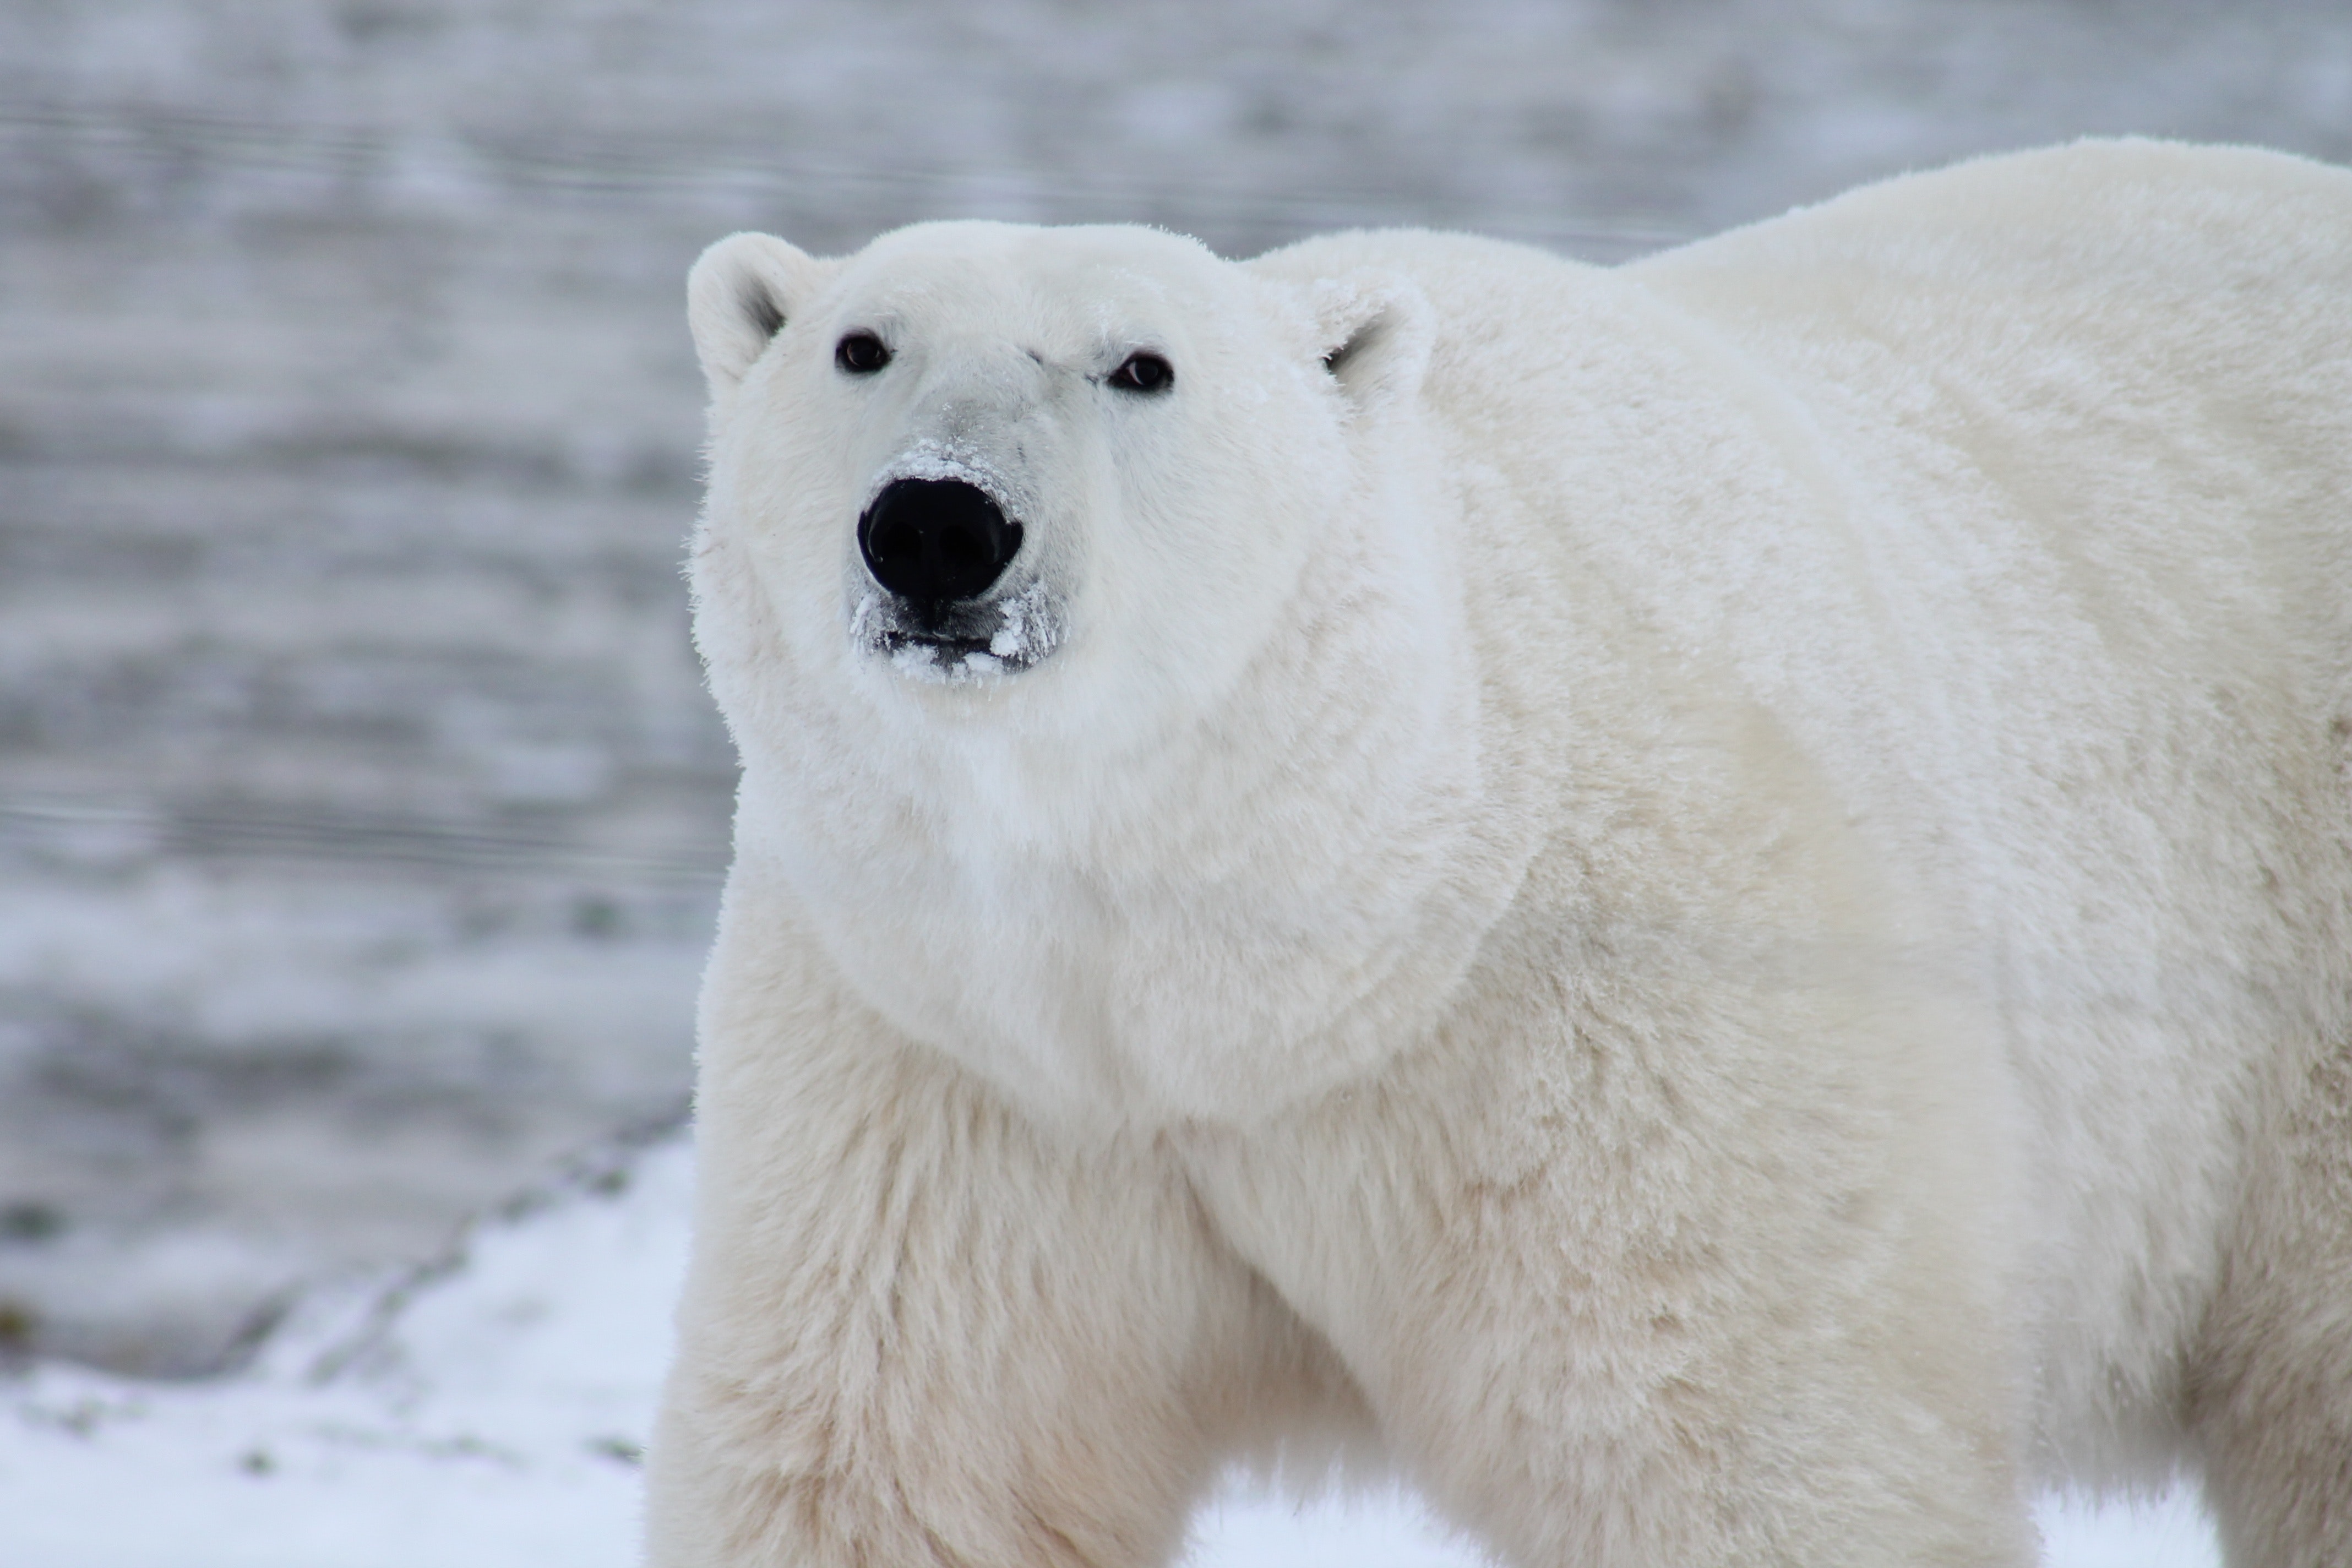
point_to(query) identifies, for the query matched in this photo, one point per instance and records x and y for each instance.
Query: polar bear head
(1047, 575)
(974, 449)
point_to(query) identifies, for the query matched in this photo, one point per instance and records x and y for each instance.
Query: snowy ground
(489, 1411)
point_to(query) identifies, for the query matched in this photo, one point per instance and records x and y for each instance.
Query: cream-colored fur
(1709, 904)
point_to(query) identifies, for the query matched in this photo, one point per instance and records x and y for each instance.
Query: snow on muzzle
(937, 546)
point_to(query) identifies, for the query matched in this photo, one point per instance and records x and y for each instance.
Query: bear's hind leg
(2270, 1384)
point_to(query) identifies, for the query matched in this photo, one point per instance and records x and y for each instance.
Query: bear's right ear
(1374, 329)
(738, 298)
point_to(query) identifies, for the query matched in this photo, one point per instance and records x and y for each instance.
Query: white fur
(1708, 903)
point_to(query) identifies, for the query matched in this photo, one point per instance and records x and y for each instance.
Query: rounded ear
(1374, 329)
(740, 295)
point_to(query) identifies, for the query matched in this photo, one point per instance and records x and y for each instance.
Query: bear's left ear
(1373, 331)
(738, 298)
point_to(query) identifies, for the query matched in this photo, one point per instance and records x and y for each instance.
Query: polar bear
(1707, 905)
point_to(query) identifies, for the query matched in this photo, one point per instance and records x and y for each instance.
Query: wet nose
(935, 540)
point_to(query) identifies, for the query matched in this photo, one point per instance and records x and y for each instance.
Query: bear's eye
(1144, 373)
(861, 353)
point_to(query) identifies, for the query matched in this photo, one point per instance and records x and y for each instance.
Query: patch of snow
(1030, 630)
(2169, 1532)
(922, 661)
(1244, 1526)
(489, 1411)
(933, 460)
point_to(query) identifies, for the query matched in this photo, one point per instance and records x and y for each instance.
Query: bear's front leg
(1721, 1294)
(917, 1331)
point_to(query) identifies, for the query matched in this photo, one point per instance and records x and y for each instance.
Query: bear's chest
(1210, 976)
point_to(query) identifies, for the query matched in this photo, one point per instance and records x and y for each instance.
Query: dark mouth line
(892, 641)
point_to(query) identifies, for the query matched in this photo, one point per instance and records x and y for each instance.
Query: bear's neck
(1254, 903)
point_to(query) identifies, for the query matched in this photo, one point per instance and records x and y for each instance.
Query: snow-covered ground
(489, 1411)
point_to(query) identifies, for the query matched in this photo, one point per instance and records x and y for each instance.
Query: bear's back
(2014, 491)
(2094, 333)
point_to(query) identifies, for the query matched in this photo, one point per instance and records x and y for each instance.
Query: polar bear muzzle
(938, 548)
(935, 541)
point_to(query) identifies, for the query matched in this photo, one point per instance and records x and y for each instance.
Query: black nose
(935, 540)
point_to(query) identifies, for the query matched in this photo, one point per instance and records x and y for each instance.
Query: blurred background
(362, 815)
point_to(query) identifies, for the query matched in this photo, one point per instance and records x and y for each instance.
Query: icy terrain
(489, 1412)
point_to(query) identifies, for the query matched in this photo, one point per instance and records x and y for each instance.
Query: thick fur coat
(1709, 904)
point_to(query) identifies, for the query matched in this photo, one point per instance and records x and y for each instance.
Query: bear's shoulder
(2160, 218)
(1462, 274)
